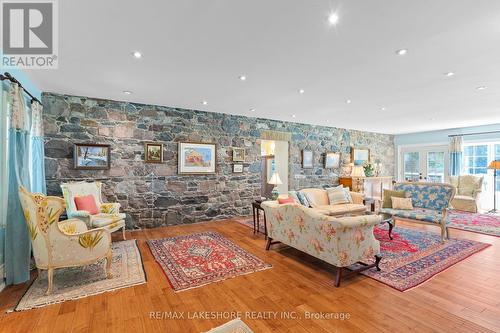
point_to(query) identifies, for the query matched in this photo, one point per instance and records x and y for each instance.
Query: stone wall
(154, 194)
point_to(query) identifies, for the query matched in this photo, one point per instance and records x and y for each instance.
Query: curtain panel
(456, 152)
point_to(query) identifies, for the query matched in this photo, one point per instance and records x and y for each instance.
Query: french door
(429, 164)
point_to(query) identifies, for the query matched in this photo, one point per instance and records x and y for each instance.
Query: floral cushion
(420, 214)
(427, 195)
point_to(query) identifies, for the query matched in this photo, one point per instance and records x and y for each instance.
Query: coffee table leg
(391, 225)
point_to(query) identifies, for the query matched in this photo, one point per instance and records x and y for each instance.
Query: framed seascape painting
(196, 158)
(90, 156)
(332, 160)
(307, 159)
(360, 156)
(238, 154)
(153, 152)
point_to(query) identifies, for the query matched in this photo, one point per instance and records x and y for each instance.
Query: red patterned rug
(487, 224)
(195, 260)
(414, 256)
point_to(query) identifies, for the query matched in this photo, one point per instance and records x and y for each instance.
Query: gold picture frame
(238, 154)
(153, 152)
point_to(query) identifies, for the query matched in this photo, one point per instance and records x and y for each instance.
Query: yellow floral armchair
(109, 216)
(468, 190)
(61, 244)
(340, 241)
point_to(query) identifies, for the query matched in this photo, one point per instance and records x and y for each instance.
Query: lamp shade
(275, 179)
(357, 171)
(494, 165)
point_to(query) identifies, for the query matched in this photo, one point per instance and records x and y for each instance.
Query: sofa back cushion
(316, 196)
(435, 196)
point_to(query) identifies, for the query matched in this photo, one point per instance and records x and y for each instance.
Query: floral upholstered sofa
(430, 204)
(340, 241)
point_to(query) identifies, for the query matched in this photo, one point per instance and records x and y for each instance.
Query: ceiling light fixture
(402, 52)
(242, 77)
(333, 18)
(481, 87)
(449, 74)
(204, 102)
(137, 54)
(301, 91)
(127, 92)
(293, 116)
(348, 101)
(252, 110)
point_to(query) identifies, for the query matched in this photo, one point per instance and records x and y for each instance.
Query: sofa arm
(357, 221)
(110, 208)
(357, 197)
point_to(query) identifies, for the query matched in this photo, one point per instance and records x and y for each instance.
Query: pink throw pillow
(87, 203)
(285, 200)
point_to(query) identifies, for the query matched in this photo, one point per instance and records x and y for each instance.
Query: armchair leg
(268, 244)
(109, 259)
(377, 262)
(50, 279)
(338, 276)
(123, 233)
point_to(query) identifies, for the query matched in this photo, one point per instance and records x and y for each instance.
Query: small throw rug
(195, 260)
(487, 224)
(234, 326)
(414, 256)
(78, 282)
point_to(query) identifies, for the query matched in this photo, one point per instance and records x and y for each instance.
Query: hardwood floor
(464, 298)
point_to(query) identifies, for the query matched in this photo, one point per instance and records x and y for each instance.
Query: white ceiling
(195, 51)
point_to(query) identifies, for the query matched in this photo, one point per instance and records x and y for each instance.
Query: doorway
(428, 163)
(274, 159)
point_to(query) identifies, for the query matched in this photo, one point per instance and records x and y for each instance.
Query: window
(411, 166)
(476, 159)
(435, 167)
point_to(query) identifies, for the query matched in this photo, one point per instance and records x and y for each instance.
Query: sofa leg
(377, 262)
(268, 244)
(447, 232)
(123, 233)
(50, 281)
(338, 276)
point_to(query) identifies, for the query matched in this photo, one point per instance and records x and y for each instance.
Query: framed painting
(91, 156)
(153, 152)
(360, 156)
(196, 158)
(332, 160)
(237, 168)
(238, 154)
(307, 159)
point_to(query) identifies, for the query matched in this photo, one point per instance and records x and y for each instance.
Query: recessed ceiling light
(449, 74)
(137, 54)
(481, 87)
(204, 102)
(242, 77)
(333, 18)
(348, 101)
(383, 108)
(301, 91)
(293, 116)
(127, 92)
(402, 52)
(252, 110)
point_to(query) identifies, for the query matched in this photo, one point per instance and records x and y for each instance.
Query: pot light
(204, 102)
(348, 101)
(293, 116)
(137, 54)
(383, 108)
(333, 18)
(127, 92)
(481, 87)
(252, 110)
(242, 77)
(402, 52)
(301, 91)
(449, 74)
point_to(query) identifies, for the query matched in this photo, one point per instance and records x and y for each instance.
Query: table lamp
(357, 171)
(275, 180)
(495, 165)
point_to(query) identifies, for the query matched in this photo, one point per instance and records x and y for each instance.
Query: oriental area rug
(414, 256)
(78, 282)
(488, 224)
(198, 259)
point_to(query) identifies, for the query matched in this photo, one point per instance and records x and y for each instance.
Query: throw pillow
(285, 200)
(336, 195)
(303, 199)
(87, 203)
(388, 194)
(348, 195)
(401, 203)
(293, 195)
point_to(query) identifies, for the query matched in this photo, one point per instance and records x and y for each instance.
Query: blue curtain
(25, 166)
(456, 147)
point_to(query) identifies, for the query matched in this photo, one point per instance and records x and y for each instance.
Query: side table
(256, 208)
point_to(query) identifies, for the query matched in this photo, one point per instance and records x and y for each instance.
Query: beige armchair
(109, 216)
(468, 192)
(61, 244)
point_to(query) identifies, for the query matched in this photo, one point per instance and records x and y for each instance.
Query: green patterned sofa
(430, 204)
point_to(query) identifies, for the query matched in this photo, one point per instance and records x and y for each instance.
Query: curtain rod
(477, 133)
(7, 76)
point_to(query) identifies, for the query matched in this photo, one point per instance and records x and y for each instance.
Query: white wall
(281, 158)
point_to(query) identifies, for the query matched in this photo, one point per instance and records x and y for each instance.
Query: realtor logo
(29, 34)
